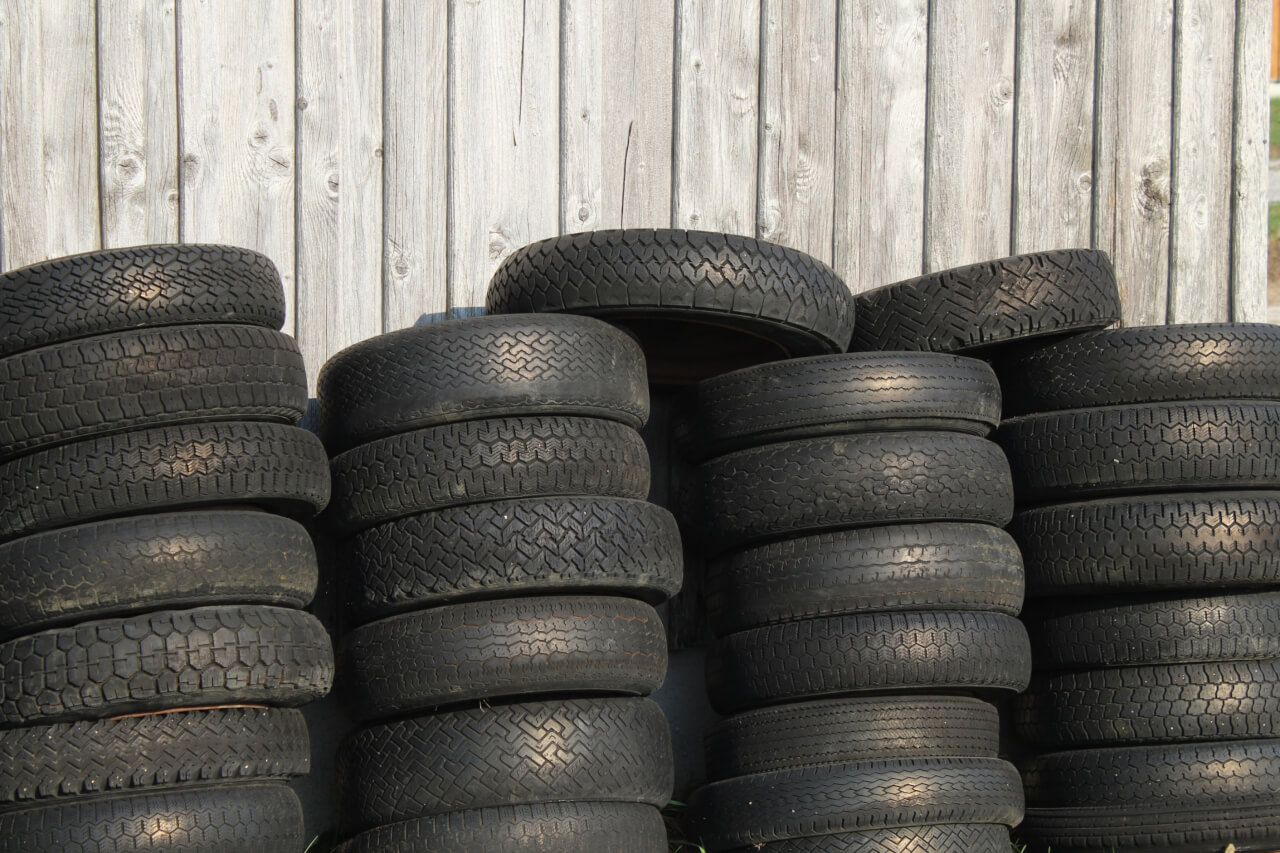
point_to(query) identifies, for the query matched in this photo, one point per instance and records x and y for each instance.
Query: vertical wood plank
(1133, 144)
(1249, 190)
(1200, 228)
(339, 175)
(797, 134)
(582, 96)
(138, 102)
(236, 94)
(416, 185)
(503, 131)
(880, 133)
(49, 126)
(969, 138)
(716, 115)
(1053, 103)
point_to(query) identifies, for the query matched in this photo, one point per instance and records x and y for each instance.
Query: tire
(1132, 449)
(480, 461)
(973, 308)
(1176, 828)
(165, 561)
(837, 798)
(164, 468)
(262, 818)
(940, 838)
(560, 827)
(841, 394)
(117, 289)
(481, 367)
(535, 546)
(818, 484)
(1165, 703)
(1211, 541)
(866, 653)
(1145, 364)
(611, 750)
(163, 661)
(684, 294)
(843, 731)
(52, 763)
(899, 567)
(506, 648)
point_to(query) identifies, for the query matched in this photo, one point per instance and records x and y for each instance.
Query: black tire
(940, 838)
(1145, 364)
(560, 827)
(535, 546)
(1205, 541)
(1168, 703)
(263, 818)
(700, 303)
(843, 731)
(480, 461)
(165, 660)
(490, 649)
(974, 307)
(867, 653)
(139, 753)
(154, 562)
(164, 468)
(481, 367)
(841, 394)
(1176, 828)
(148, 377)
(836, 798)
(610, 750)
(118, 289)
(865, 480)
(900, 567)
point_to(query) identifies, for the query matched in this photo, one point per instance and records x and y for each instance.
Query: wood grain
(581, 114)
(1249, 185)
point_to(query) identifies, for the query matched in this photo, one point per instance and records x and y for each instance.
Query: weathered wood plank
(49, 203)
(138, 103)
(1053, 104)
(796, 193)
(1249, 189)
(581, 114)
(236, 93)
(504, 96)
(969, 134)
(339, 175)
(1133, 147)
(1200, 224)
(716, 115)
(880, 134)
(416, 186)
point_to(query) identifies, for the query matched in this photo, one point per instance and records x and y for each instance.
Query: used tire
(939, 838)
(1172, 828)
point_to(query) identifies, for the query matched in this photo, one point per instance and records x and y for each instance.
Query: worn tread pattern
(863, 796)
(995, 302)
(940, 838)
(261, 818)
(94, 757)
(165, 660)
(564, 545)
(842, 731)
(1149, 448)
(117, 289)
(512, 647)
(486, 460)
(154, 562)
(868, 653)
(864, 480)
(1166, 703)
(1208, 540)
(899, 567)
(1145, 364)
(1173, 828)
(605, 750)
(164, 468)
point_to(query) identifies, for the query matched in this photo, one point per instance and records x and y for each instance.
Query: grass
(1275, 128)
(1273, 221)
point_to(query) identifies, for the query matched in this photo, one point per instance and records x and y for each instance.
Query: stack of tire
(1147, 465)
(489, 483)
(852, 514)
(152, 643)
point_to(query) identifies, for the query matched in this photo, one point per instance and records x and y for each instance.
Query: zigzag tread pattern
(942, 838)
